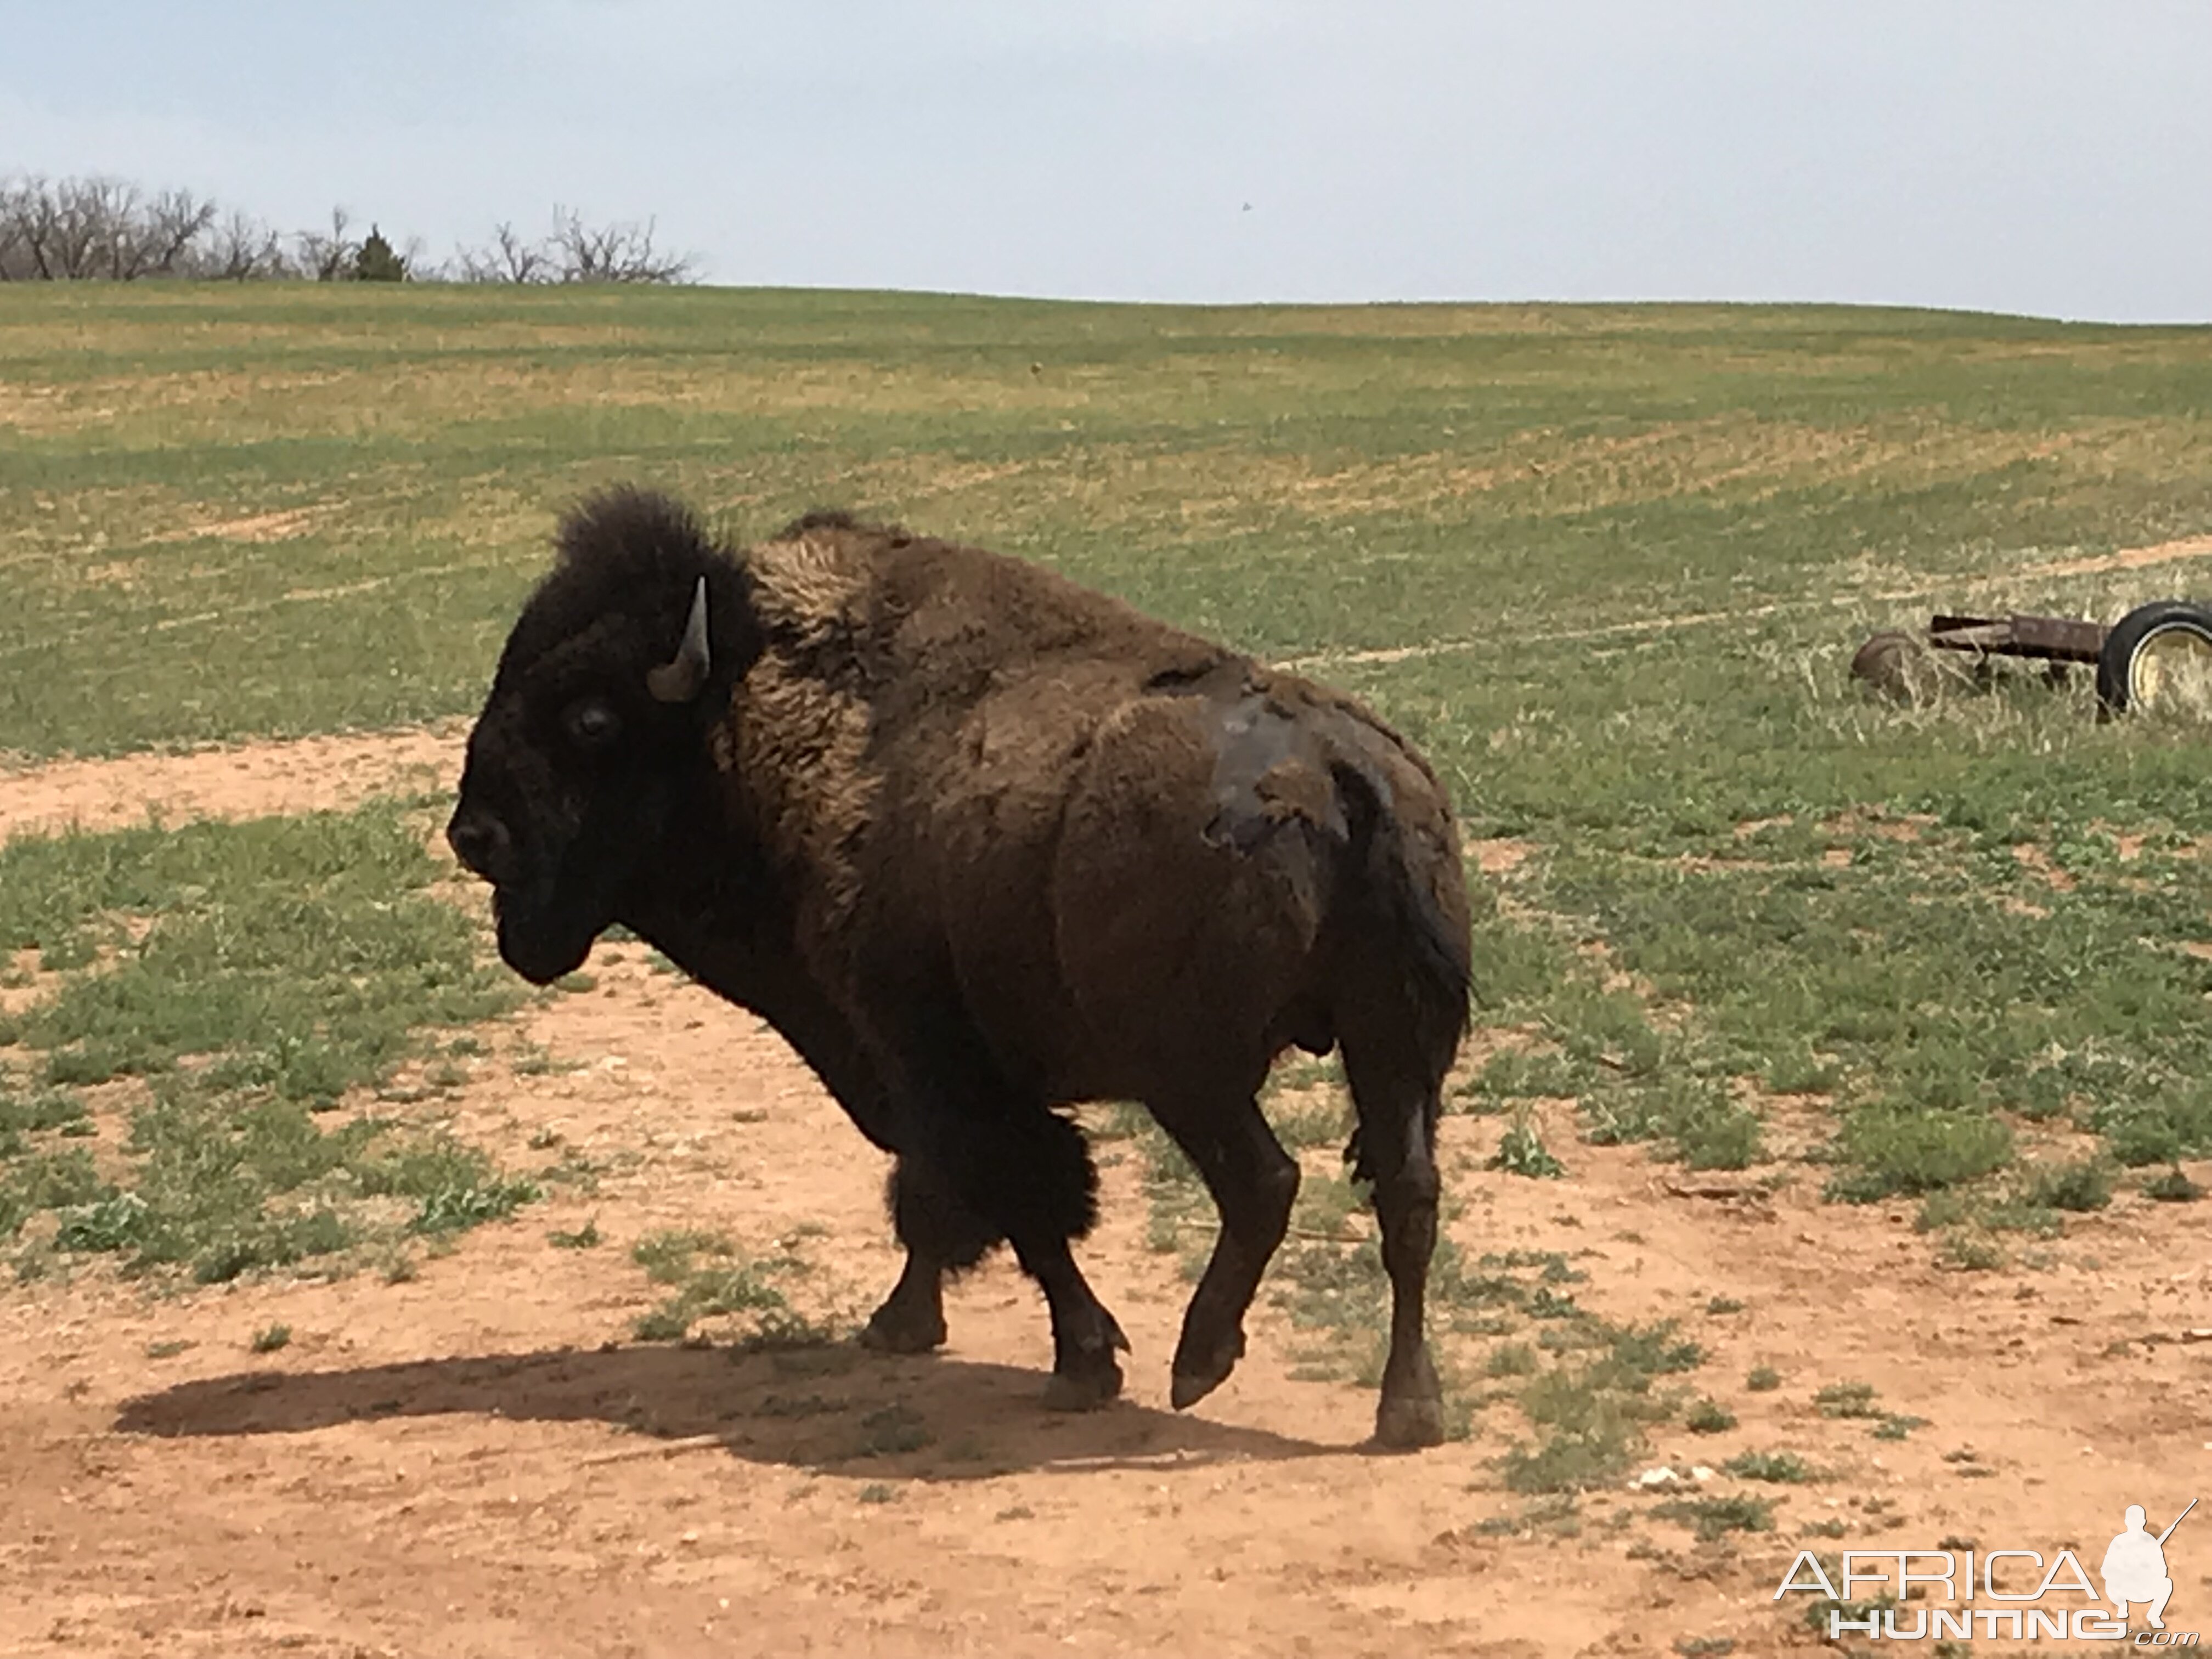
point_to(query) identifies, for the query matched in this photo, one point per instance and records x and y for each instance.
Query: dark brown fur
(982, 842)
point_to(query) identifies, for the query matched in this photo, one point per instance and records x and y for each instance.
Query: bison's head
(593, 736)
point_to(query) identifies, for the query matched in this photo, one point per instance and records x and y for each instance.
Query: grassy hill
(1607, 563)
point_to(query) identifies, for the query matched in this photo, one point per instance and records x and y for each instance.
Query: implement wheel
(1897, 665)
(2159, 658)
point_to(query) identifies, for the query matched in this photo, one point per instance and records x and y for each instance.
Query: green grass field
(1606, 564)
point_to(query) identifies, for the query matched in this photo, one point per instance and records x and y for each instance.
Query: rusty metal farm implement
(2159, 656)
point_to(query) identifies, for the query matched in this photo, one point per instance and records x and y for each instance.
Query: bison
(982, 844)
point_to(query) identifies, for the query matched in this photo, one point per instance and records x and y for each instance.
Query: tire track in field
(2184, 550)
(244, 781)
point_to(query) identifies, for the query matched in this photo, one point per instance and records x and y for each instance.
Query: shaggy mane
(626, 551)
(640, 537)
(837, 518)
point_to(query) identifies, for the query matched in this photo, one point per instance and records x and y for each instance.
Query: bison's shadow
(832, 1408)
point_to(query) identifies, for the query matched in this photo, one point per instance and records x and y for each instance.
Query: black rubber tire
(2115, 661)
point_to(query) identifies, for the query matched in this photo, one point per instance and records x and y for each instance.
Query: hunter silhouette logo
(1919, 1595)
(2135, 1566)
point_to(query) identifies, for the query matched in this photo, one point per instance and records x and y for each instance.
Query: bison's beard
(541, 944)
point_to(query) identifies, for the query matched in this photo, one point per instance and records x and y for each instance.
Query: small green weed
(1558, 1514)
(534, 1060)
(707, 1278)
(2080, 1187)
(1593, 1407)
(1846, 1399)
(1964, 1252)
(1510, 1359)
(1712, 1517)
(892, 1430)
(1780, 1467)
(2172, 1187)
(1708, 1417)
(1521, 1151)
(1892, 1149)
(1522, 1074)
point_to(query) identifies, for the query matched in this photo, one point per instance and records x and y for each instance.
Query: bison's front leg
(1027, 1179)
(912, 1317)
(983, 1159)
(942, 1235)
(1084, 1336)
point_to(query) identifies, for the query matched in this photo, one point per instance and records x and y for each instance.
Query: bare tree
(331, 257)
(77, 229)
(172, 224)
(622, 253)
(242, 249)
(510, 258)
(574, 252)
(44, 233)
(14, 207)
(74, 229)
(107, 220)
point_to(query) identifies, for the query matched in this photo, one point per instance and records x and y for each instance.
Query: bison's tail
(1397, 896)
(1403, 971)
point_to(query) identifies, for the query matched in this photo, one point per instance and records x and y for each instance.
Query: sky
(2025, 156)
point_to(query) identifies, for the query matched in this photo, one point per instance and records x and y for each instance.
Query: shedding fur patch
(810, 586)
(793, 749)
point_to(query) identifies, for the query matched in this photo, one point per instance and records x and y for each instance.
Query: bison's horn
(678, 679)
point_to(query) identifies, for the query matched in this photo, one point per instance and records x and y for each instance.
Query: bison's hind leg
(1253, 1182)
(942, 1236)
(1395, 1089)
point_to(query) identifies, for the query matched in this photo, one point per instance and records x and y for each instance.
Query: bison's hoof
(1201, 1369)
(898, 1332)
(1085, 1390)
(1186, 1390)
(1408, 1422)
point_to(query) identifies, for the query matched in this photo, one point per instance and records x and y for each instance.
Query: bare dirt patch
(1903, 827)
(482, 1461)
(1501, 856)
(249, 780)
(2131, 558)
(2033, 858)
(253, 527)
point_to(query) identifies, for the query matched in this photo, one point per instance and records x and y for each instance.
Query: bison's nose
(480, 842)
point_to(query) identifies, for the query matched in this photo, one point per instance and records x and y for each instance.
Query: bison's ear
(678, 679)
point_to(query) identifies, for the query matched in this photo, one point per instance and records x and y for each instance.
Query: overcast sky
(2016, 155)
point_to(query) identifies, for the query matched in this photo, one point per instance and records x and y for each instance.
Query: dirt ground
(481, 1461)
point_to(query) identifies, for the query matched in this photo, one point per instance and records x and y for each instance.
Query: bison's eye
(593, 723)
